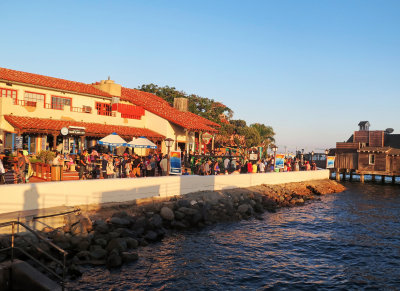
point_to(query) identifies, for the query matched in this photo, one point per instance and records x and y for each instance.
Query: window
(8, 93)
(372, 159)
(103, 109)
(59, 102)
(32, 98)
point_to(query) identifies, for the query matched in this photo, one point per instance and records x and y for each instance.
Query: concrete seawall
(26, 197)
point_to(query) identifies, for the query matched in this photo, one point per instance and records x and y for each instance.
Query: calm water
(349, 240)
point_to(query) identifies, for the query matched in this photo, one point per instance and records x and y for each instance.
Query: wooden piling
(383, 179)
(337, 175)
(393, 179)
(373, 178)
(351, 176)
(362, 178)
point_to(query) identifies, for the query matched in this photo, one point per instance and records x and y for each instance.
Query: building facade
(34, 109)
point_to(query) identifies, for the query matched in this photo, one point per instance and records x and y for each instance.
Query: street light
(312, 156)
(326, 158)
(168, 143)
(274, 149)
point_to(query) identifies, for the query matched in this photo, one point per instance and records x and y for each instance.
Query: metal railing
(12, 249)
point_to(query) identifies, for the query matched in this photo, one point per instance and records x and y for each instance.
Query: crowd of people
(97, 165)
(13, 172)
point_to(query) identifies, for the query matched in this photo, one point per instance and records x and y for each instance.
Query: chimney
(108, 86)
(364, 125)
(181, 104)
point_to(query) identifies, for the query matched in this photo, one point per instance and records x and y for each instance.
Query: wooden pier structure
(375, 153)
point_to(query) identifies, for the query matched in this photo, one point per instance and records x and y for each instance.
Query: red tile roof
(160, 107)
(50, 82)
(31, 124)
(148, 101)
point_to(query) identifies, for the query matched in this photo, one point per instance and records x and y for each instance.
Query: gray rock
(243, 208)
(124, 232)
(120, 221)
(121, 214)
(114, 234)
(179, 215)
(188, 211)
(78, 229)
(132, 243)
(83, 245)
(128, 257)
(101, 226)
(86, 222)
(83, 255)
(114, 260)
(167, 214)
(151, 236)
(183, 203)
(118, 244)
(140, 222)
(98, 254)
(155, 221)
(101, 242)
(178, 224)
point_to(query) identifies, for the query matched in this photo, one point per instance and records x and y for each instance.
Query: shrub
(46, 156)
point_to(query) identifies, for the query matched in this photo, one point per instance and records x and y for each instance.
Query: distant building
(370, 152)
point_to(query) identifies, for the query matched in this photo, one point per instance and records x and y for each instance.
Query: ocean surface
(344, 241)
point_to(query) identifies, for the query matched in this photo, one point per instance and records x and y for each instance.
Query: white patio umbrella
(141, 142)
(113, 140)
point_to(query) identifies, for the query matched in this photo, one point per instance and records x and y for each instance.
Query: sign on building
(175, 167)
(330, 162)
(206, 137)
(18, 142)
(280, 161)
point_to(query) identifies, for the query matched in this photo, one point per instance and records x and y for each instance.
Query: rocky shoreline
(113, 234)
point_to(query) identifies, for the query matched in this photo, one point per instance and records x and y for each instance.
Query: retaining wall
(24, 197)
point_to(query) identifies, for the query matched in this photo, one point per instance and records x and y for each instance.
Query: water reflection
(345, 241)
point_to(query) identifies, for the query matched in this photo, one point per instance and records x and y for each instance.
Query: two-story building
(35, 108)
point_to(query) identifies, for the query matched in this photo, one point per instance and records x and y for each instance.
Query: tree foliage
(232, 132)
(205, 107)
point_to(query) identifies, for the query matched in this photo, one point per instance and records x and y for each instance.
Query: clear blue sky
(310, 69)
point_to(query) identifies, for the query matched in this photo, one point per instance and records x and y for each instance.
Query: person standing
(21, 167)
(82, 164)
(164, 165)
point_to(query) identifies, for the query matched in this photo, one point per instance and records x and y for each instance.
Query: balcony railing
(25, 103)
(106, 113)
(84, 109)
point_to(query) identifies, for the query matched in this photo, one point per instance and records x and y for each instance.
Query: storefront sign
(253, 157)
(64, 131)
(330, 162)
(66, 144)
(175, 167)
(280, 161)
(18, 142)
(75, 130)
(206, 137)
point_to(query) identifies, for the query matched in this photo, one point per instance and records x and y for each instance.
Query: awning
(51, 126)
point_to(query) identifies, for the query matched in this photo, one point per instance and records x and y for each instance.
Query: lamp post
(326, 158)
(302, 156)
(168, 143)
(274, 149)
(312, 156)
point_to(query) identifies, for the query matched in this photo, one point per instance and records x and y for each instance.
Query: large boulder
(128, 257)
(101, 226)
(167, 213)
(188, 211)
(151, 236)
(114, 260)
(132, 243)
(98, 254)
(120, 222)
(155, 221)
(118, 244)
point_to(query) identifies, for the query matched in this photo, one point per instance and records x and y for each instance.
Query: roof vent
(389, 130)
(364, 125)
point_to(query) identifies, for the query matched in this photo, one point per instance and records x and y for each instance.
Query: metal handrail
(41, 238)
